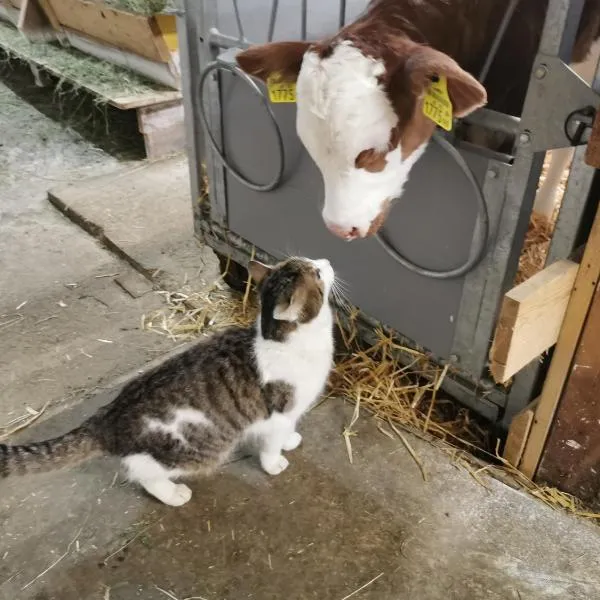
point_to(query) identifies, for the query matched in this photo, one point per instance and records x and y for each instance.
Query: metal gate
(267, 195)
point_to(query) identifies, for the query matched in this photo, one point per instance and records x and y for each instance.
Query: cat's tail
(65, 450)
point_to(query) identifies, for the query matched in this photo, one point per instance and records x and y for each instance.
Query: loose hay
(190, 314)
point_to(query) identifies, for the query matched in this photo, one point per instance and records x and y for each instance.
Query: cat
(189, 414)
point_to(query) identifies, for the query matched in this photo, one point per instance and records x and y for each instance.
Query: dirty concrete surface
(66, 326)
(323, 529)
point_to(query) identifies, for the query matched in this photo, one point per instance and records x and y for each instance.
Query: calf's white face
(361, 118)
(343, 110)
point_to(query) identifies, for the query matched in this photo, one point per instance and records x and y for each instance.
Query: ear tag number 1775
(437, 105)
(281, 91)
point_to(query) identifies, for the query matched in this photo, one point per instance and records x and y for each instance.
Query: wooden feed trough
(159, 109)
(145, 44)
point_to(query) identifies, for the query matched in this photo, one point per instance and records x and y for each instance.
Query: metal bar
(220, 40)
(476, 282)
(188, 37)
(304, 19)
(575, 199)
(560, 28)
(238, 20)
(514, 219)
(342, 17)
(498, 39)
(491, 119)
(572, 208)
(205, 17)
(273, 19)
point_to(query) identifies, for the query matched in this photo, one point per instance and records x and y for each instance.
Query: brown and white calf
(359, 93)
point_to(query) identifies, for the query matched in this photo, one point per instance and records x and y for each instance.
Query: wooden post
(568, 339)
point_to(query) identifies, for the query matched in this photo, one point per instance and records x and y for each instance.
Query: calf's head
(359, 115)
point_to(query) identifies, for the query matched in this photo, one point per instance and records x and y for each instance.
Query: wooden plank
(117, 28)
(33, 22)
(518, 435)
(530, 319)
(571, 458)
(50, 14)
(163, 73)
(577, 310)
(163, 129)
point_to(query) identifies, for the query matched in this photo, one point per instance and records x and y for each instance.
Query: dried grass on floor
(190, 314)
(406, 395)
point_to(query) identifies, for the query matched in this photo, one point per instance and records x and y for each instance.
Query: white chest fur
(303, 361)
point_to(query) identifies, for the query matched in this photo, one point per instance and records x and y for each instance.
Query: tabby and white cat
(190, 413)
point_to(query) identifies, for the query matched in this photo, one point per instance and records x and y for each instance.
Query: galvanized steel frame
(509, 190)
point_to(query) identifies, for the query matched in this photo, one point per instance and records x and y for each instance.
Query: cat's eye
(318, 273)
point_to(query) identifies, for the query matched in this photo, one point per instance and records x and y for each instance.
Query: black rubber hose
(482, 224)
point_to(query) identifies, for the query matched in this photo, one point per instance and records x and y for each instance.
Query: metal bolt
(492, 173)
(525, 137)
(454, 358)
(541, 71)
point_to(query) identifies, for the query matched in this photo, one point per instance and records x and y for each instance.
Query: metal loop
(257, 187)
(482, 227)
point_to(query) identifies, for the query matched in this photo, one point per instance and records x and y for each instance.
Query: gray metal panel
(433, 225)
(322, 19)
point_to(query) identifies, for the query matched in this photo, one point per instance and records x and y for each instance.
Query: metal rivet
(454, 358)
(541, 71)
(492, 173)
(525, 137)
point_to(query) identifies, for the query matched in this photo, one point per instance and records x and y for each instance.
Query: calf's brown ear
(282, 58)
(466, 93)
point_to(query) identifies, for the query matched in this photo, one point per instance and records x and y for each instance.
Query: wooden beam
(163, 129)
(568, 339)
(33, 22)
(530, 319)
(518, 434)
(571, 457)
(135, 33)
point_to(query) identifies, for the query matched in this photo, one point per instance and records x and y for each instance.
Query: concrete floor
(322, 529)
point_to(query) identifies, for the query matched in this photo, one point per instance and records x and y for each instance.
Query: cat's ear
(291, 311)
(258, 271)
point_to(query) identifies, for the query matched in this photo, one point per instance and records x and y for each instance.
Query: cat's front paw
(273, 465)
(179, 496)
(292, 442)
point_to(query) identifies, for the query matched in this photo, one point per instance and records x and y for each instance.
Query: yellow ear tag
(281, 91)
(437, 105)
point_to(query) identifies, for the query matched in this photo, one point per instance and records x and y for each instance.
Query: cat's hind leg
(155, 479)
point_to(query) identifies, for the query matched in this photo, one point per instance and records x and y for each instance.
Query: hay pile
(76, 68)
